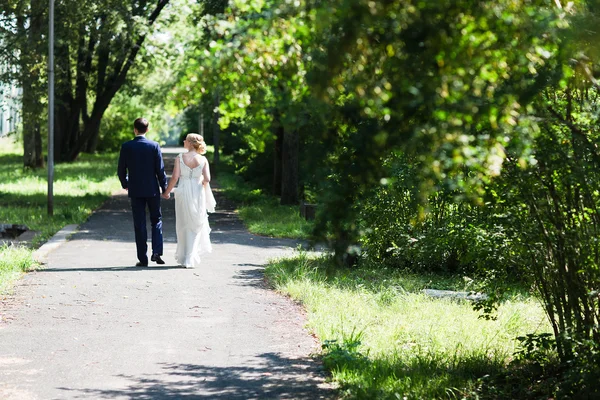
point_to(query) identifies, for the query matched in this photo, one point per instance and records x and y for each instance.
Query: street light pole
(51, 110)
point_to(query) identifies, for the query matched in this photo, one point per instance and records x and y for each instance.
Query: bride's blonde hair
(197, 141)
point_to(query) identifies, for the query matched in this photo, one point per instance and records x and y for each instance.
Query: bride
(193, 199)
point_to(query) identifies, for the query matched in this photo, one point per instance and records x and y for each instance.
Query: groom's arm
(122, 169)
(160, 169)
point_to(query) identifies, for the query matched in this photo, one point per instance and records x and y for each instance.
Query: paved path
(91, 325)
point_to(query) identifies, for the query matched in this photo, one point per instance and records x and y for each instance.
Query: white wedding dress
(192, 202)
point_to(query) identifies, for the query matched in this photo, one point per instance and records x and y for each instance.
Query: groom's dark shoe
(141, 264)
(156, 258)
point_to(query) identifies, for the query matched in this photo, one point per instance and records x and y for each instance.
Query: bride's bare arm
(206, 173)
(174, 178)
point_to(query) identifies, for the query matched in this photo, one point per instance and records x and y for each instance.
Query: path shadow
(114, 269)
(272, 377)
(254, 277)
(113, 221)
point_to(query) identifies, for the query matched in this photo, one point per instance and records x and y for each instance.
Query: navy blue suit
(142, 172)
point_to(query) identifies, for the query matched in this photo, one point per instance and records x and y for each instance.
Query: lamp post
(51, 109)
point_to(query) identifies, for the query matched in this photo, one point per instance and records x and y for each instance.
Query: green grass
(14, 261)
(262, 214)
(384, 339)
(79, 188)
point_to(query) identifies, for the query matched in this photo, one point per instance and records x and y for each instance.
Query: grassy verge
(14, 261)
(262, 214)
(79, 188)
(384, 339)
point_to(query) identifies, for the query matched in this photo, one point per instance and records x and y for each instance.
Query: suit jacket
(141, 168)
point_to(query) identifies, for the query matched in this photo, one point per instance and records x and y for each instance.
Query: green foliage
(443, 81)
(255, 60)
(536, 348)
(581, 377)
(117, 123)
(538, 224)
(147, 91)
(443, 233)
(556, 221)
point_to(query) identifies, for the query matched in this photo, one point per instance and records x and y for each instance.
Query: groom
(142, 173)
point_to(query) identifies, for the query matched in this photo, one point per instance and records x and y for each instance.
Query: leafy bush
(581, 378)
(444, 233)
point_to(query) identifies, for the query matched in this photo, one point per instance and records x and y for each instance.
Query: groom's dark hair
(141, 125)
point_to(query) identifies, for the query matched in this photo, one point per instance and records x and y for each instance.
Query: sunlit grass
(14, 261)
(79, 188)
(9, 145)
(384, 338)
(262, 214)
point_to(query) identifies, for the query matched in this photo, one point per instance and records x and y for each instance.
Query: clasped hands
(166, 196)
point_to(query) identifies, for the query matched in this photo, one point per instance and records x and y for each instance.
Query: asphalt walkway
(93, 326)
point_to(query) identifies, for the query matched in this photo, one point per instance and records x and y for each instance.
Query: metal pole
(51, 110)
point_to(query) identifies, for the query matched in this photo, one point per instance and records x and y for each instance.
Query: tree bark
(31, 63)
(32, 137)
(92, 131)
(277, 160)
(216, 140)
(66, 126)
(289, 167)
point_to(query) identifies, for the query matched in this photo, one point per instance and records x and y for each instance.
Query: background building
(10, 97)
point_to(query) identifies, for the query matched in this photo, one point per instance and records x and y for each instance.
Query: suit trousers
(138, 208)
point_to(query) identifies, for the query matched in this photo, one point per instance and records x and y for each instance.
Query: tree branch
(138, 45)
(588, 73)
(578, 132)
(119, 75)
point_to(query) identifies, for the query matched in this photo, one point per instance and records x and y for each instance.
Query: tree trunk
(92, 131)
(32, 137)
(88, 140)
(200, 120)
(66, 127)
(29, 80)
(277, 160)
(289, 167)
(216, 141)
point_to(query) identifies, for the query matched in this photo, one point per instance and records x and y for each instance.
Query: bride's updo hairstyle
(197, 142)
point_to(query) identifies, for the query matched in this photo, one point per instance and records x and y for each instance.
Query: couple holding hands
(141, 171)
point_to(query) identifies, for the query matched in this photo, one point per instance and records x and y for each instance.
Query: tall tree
(23, 27)
(97, 45)
(100, 43)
